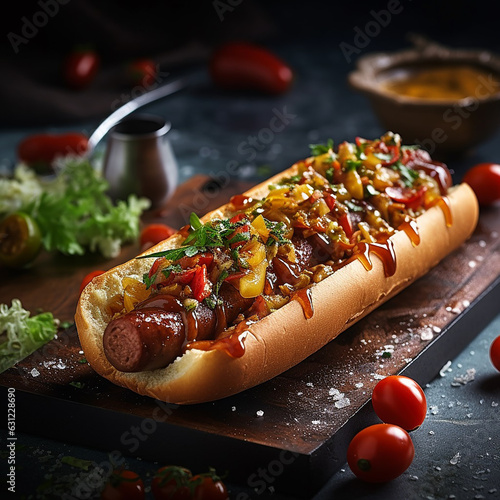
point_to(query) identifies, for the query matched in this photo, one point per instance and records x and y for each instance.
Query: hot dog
(261, 283)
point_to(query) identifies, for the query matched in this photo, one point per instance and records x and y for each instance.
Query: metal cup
(139, 160)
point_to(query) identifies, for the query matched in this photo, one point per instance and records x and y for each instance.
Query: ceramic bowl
(445, 127)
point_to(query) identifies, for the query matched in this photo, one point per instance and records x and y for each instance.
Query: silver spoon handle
(130, 107)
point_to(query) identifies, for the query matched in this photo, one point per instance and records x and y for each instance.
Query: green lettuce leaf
(22, 334)
(76, 215)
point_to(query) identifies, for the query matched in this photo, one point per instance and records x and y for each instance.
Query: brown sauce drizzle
(410, 227)
(233, 344)
(444, 204)
(304, 298)
(383, 250)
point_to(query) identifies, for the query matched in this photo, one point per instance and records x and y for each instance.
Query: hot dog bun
(201, 376)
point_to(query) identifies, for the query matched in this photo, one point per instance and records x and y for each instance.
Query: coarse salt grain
(444, 369)
(342, 403)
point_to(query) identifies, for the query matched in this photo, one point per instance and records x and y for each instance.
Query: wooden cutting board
(290, 433)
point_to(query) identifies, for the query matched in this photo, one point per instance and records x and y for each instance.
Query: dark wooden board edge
(246, 462)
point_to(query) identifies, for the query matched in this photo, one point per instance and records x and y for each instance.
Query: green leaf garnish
(320, 149)
(408, 175)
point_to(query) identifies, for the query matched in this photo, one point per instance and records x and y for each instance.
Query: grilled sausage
(153, 334)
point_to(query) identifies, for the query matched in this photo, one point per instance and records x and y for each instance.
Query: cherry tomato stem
(380, 453)
(123, 484)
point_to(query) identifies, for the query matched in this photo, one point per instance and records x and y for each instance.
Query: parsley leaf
(352, 165)
(408, 175)
(319, 149)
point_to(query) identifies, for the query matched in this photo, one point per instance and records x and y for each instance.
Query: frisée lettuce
(73, 210)
(21, 334)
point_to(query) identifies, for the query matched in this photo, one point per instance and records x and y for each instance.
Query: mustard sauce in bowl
(449, 82)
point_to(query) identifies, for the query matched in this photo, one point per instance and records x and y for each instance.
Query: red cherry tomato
(495, 353)
(40, 150)
(87, 279)
(380, 453)
(123, 485)
(239, 65)
(401, 401)
(154, 233)
(171, 483)
(209, 486)
(484, 179)
(80, 68)
(142, 72)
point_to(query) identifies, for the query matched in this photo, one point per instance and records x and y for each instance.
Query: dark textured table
(233, 136)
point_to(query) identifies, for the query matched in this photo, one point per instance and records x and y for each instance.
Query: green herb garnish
(408, 175)
(320, 149)
(352, 165)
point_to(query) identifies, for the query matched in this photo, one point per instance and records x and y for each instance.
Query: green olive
(20, 240)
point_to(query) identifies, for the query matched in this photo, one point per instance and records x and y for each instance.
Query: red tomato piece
(200, 284)
(410, 197)
(484, 179)
(401, 401)
(171, 482)
(380, 453)
(152, 234)
(240, 65)
(43, 149)
(495, 353)
(89, 277)
(80, 68)
(123, 485)
(240, 235)
(185, 277)
(330, 200)
(142, 72)
(346, 224)
(155, 266)
(392, 152)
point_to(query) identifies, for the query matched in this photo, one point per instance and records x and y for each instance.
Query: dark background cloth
(177, 34)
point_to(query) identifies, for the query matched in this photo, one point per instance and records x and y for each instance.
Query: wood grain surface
(297, 424)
